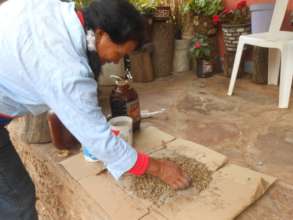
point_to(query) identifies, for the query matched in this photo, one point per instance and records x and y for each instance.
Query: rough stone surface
(248, 128)
(59, 195)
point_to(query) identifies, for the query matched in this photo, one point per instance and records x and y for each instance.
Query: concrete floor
(247, 127)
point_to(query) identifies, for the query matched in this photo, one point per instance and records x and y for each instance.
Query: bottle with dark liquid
(60, 135)
(124, 102)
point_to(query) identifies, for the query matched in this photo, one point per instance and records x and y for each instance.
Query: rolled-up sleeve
(74, 100)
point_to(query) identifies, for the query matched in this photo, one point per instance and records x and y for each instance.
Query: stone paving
(248, 128)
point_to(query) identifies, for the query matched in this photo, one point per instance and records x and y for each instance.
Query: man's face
(109, 51)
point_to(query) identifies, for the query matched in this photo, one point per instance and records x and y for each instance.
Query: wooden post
(163, 40)
(260, 65)
(229, 62)
(141, 65)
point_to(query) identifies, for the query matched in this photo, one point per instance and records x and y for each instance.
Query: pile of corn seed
(153, 189)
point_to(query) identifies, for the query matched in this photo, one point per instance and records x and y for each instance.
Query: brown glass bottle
(124, 102)
(60, 135)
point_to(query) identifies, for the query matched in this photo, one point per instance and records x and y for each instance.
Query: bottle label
(133, 110)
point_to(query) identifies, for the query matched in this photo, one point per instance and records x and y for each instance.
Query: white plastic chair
(280, 54)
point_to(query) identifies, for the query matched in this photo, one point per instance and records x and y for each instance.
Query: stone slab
(150, 139)
(113, 199)
(212, 159)
(79, 168)
(231, 191)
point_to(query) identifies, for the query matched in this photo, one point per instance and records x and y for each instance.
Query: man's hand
(169, 173)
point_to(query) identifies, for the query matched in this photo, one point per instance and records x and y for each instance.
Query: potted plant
(235, 22)
(205, 14)
(153, 8)
(147, 9)
(162, 13)
(181, 60)
(201, 51)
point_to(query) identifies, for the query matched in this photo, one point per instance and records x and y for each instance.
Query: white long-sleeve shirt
(43, 65)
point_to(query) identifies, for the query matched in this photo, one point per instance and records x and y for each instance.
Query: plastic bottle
(124, 102)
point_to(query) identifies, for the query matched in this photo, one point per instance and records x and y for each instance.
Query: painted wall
(286, 25)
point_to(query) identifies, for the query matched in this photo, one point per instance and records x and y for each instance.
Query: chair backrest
(278, 15)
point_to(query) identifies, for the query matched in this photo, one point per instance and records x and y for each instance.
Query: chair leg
(274, 66)
(285, 79)
(236, 65)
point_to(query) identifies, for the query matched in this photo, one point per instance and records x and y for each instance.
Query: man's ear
(99, 33)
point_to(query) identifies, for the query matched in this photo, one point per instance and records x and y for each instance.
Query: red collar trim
(6, 116)
(81, 17)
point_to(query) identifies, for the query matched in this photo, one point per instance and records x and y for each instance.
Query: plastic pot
(261, 16)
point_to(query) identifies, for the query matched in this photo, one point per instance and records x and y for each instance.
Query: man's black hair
(118, 18)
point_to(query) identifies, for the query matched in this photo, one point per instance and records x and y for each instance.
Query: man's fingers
(174, 185)
(184, 182)
(180, 184)
(187, 179)
(171, 174)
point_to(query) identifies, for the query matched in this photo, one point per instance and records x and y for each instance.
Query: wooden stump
(216, 54)
(148, 28)
(36, 129)
(141, 66)
(163, 41)
(229, 62)
(260, 65)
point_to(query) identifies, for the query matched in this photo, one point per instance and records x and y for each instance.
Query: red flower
(216, 19)
(197, 45)
(241, 4)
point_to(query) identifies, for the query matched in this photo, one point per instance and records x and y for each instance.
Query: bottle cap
(119, 81)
